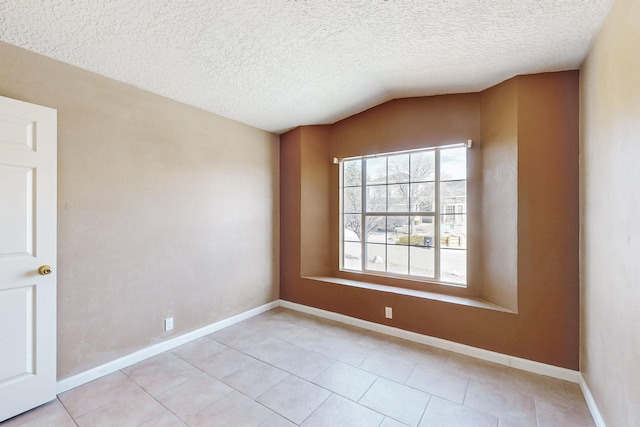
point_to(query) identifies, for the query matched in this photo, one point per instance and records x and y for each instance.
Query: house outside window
(404, 214)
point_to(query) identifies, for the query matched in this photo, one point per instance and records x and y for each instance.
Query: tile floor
(284, 368)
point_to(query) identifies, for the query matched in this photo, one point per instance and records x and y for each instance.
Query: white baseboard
(153, 350)
(591, 403)
(492, 356)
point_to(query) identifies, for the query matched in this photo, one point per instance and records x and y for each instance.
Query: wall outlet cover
(168, 324)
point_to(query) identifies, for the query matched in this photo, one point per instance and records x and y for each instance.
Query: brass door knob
(44, 270)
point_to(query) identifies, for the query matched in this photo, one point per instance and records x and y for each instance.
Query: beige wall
(610, 229)
(163, 210)
(540, 243)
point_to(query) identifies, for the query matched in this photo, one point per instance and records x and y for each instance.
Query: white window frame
(458, 211)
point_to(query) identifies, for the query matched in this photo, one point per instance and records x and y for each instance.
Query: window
(405, 214)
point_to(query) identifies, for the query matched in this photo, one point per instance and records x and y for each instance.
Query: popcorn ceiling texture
(277, 64)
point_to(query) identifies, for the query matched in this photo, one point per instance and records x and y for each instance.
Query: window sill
(469, 302)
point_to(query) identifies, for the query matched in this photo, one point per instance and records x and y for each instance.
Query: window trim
(435, 214)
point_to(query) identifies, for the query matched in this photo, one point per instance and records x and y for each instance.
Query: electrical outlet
(388, 312)
(168, 324)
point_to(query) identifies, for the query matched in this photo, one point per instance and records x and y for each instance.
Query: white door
(28, 149)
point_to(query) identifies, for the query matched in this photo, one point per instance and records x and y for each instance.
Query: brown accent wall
(610, 229)
(412, 123)
(499, 106)
(545, 327)
(314, 211)
(290, 208)
(548, 204)
(163, 210)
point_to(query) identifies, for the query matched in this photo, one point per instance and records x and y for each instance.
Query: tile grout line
(170, 388)
(426, 407)
(466, 390)
(410, 374)
(67, 411)
(317, 407)
(535, 411)
(371, 409)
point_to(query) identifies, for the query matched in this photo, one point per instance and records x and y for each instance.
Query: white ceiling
(277, 64)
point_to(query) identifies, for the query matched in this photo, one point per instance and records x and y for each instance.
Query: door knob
(44, 270)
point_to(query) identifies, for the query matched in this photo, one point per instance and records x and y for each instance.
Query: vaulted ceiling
(277, 64)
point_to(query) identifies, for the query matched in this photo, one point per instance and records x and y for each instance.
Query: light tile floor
(284, 368)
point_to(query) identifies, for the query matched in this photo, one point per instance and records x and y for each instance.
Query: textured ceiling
(277, 64)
